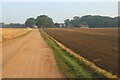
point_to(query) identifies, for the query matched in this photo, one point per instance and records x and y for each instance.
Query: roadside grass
(70, 66)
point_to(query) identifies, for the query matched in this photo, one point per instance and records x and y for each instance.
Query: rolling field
(99, 46)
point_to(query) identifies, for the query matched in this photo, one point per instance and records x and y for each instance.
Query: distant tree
(44, 21)
(67, 21)
(30, 22)
(76, 21)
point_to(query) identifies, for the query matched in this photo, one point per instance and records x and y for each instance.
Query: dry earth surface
(29, 57)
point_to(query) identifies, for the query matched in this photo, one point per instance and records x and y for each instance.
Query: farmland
(99, 46)
(11, 33)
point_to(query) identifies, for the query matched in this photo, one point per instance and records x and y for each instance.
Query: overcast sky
(59, 11)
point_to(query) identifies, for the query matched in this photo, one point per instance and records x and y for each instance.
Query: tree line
(90, 21)
(43, 21)
(93, 21)
(12, 25)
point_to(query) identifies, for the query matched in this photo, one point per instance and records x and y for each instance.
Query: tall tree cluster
(44, 21)
(41, 21)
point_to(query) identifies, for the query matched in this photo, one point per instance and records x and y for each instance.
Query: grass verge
(71, 66)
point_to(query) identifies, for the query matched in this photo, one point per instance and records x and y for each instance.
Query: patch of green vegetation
(70, 66)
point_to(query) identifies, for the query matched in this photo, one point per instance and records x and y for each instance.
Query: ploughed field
(99, 46)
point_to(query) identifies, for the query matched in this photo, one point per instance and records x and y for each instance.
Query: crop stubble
(11, 33)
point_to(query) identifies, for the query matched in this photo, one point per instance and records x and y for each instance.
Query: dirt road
(29, 57)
